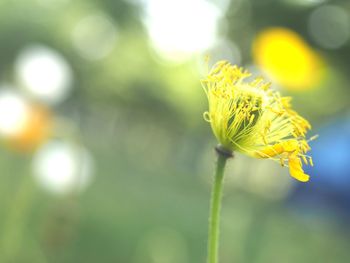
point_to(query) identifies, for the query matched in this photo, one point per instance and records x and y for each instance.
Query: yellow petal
(296, 170)
(279, 148)
(271, 151)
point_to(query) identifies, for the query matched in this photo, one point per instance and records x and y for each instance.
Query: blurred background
(104, 153)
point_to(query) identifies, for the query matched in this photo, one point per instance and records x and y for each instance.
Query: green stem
(12, 235)
(215, 205)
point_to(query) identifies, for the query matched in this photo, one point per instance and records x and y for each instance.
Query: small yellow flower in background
(287, 58)
(249, 117)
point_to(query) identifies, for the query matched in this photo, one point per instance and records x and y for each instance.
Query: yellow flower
(249, 117)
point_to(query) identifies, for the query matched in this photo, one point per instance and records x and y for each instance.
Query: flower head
(249, 117)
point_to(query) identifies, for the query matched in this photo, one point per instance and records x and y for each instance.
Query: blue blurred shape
(328, 191)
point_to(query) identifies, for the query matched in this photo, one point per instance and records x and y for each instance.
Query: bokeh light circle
(176, 31)
(94, 36)
(14, 111)
(44, 73)
(329, 26)
(61, 167)
(287, 58)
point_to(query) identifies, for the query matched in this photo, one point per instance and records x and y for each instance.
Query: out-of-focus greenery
(140, 116)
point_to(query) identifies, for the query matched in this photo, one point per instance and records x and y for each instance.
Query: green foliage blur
(139, 114)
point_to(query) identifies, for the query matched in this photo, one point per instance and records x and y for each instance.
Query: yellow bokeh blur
(36, 130)
(287, 58)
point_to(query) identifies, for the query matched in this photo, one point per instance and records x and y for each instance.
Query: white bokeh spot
(62, 168)
(14, 111)
(329, 26)
(179, 29)
(44, 73)
(94, 36)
